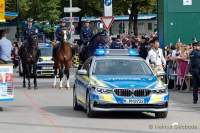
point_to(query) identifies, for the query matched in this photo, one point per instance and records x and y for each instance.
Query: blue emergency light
(100, 52)
(133, 52)
(115, 52)
(47, 45)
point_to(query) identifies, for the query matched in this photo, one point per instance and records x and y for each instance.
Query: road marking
(43, 113)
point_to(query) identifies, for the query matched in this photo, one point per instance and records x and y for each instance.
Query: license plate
(134, 101)
(47, 68)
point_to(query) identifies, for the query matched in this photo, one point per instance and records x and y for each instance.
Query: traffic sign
(72, 9)
(107, 21)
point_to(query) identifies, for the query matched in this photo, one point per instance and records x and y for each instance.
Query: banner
(107, 7)
(6, 83)
(2, 11)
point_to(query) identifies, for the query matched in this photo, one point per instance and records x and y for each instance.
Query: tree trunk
(130, 31)
(135, 28)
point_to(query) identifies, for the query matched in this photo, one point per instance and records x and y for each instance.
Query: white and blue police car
(45, 63)
(119, 80)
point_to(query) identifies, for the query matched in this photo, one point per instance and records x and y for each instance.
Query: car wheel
(89, 111)
(161, 114)
(75, 103)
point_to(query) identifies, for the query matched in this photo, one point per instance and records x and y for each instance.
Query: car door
(83, 82)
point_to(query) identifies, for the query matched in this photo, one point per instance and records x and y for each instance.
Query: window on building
(150, 26)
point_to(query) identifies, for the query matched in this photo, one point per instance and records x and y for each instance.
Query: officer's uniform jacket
(86, 34)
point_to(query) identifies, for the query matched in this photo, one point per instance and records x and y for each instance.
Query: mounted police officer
(195, 70)
(29, 29)
(86, 34)
(58, 35)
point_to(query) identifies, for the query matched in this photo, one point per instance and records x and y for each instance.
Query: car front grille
(142, 92)
(45, 65)
(132, 92)
(123, 92)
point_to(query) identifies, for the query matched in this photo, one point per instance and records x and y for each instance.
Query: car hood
(134, 81)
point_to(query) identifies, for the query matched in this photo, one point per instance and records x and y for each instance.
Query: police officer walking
(195, 70)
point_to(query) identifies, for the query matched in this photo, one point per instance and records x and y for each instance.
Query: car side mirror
(82, 72)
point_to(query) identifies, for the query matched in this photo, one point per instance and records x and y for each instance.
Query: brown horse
(63, 60)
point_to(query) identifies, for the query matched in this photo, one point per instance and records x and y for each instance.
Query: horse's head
(64, 33)
(33, 38)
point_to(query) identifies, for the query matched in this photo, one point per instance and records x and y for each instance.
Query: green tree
(121, 7)
(24, 9)
(10, 5)
(136, 7)
(50, 10)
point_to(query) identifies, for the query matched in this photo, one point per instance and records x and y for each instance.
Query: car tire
(76, 107)
(161, 114)
(89, 111)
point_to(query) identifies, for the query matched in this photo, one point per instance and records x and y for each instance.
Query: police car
(45, 63)
(119, 80)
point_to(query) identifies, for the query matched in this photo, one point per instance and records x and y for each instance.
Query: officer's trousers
(196, 85)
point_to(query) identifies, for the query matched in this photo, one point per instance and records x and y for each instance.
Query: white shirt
(5, 49)
(156, 57)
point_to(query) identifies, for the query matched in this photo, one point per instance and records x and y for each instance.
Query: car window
(121, 67)
(46, 51)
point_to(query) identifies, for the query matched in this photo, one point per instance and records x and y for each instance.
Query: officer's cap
(30, 20)
(62, 20)
(87, 21)
(195, 43)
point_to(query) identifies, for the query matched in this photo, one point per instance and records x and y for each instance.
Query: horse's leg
(67, 76)
(24, 75)
(61, 77)
(55, 77)
(28, 69)
(35, 75)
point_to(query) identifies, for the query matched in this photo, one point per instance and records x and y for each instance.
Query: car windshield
(121, 67)
(41, 38)
(46, 51)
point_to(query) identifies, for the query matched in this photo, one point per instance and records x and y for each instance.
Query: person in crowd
(117, 43)
(15, 54)
(136, 43)
(171, 65)
(155, 56)
(182, 65)
(195, 70)
(5, 48)
(144, 47)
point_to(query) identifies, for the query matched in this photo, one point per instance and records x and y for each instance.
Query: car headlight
(103, 90)
(40, 59)
(160, 90)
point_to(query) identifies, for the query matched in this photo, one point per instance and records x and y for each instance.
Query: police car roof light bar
(100, 52)
(116, 52)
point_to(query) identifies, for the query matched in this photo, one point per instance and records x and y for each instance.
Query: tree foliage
(10, 5)
(53, 9)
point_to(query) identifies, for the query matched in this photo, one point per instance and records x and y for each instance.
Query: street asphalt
(49, 110)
